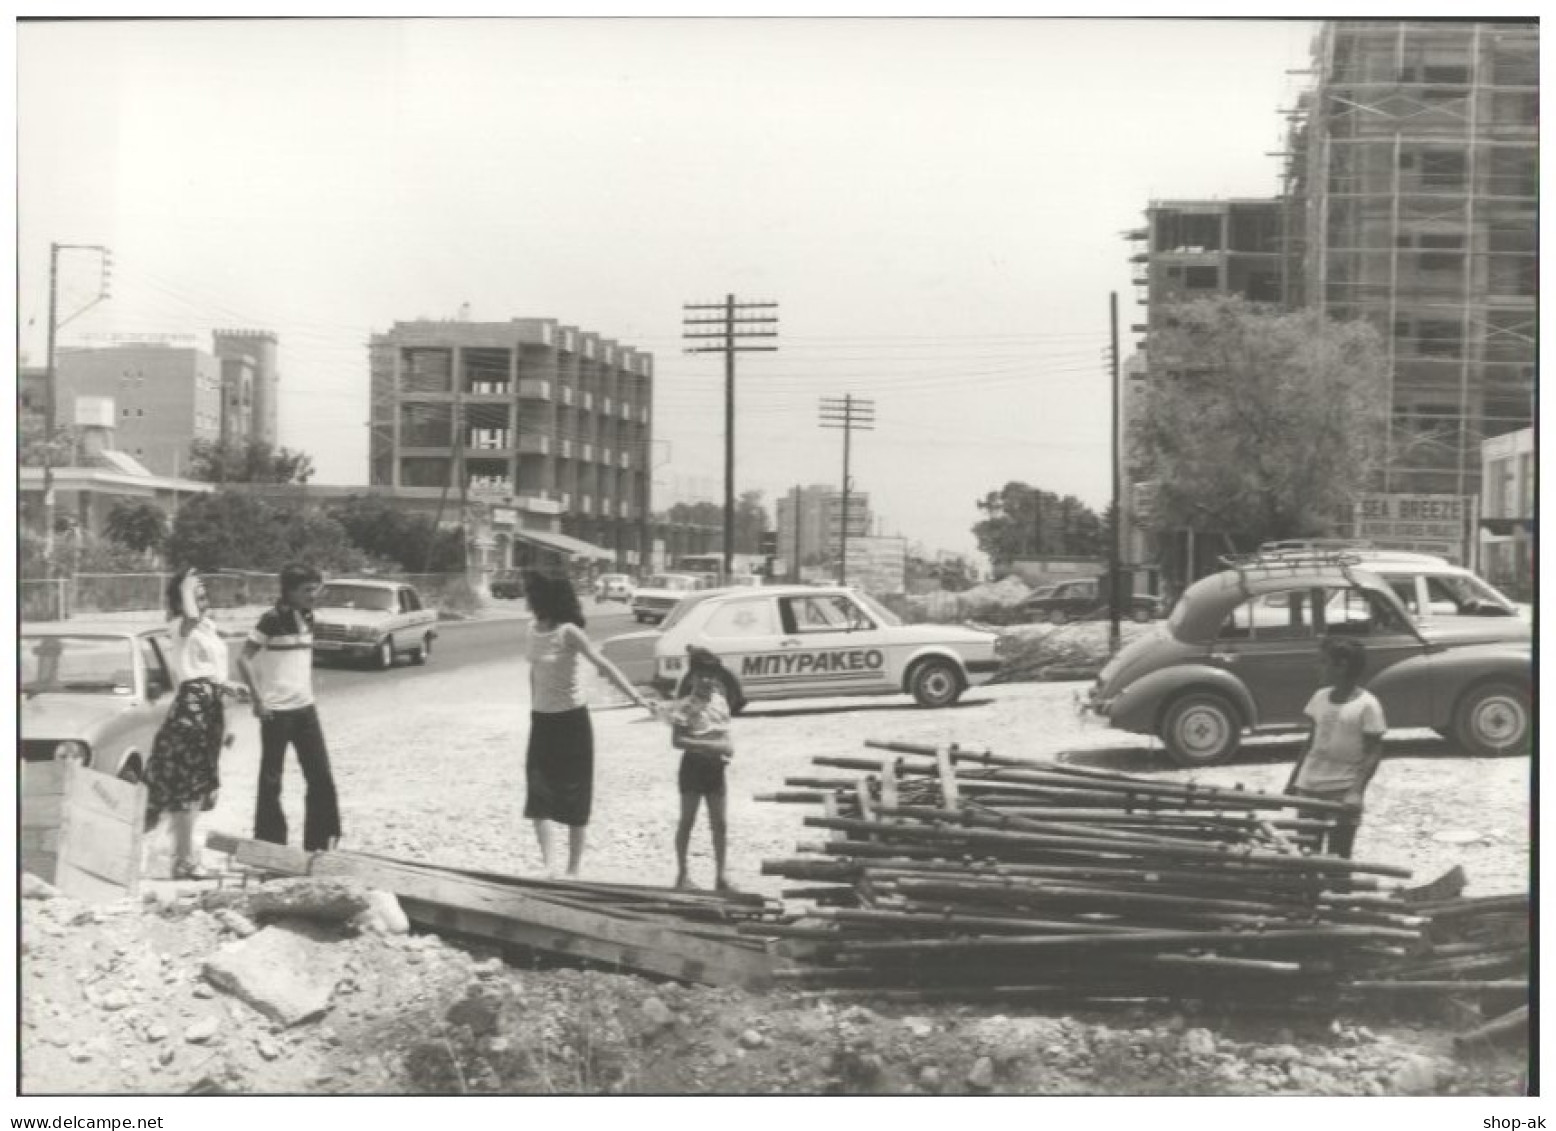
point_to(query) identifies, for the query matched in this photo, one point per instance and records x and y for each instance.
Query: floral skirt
(183, 772)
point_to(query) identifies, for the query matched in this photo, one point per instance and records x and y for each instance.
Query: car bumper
(363, 648)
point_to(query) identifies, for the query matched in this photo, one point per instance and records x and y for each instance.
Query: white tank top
(555, 682)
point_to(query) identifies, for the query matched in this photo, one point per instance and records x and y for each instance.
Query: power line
(847, 414)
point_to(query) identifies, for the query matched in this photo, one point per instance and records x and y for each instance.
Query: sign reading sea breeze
(878, 565)
(1424, 524)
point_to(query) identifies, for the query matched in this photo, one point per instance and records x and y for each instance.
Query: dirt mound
(115, 999)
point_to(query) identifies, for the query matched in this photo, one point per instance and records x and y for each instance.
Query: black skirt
(559, 767)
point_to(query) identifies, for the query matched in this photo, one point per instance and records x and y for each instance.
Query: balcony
(588, 402)
(588, 452)
(489, 389)
(643, 415)
(624, 460)
(488, 440)
(624, 411)
(534, 389)
(533, 445)
(586, 504)
(488, 486)
(541, 504)
(566, 447)
(567, 396)
(605, 405)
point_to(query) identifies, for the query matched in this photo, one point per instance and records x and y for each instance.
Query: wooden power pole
(729, 337)
(848, 413)
(1114, 526)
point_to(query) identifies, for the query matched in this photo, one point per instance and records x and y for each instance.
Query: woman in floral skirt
(183, 772)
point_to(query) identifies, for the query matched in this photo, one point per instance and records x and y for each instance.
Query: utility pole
(729, 336)
(1114, 611)
(50, 396)
(849, 413)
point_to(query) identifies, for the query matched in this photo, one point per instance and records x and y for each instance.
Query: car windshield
(78, 665)
(672, 581)
(880, 611)
(686, 605)
(374, 598)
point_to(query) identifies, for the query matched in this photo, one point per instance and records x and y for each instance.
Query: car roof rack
(1293, 561)
(1288, 545)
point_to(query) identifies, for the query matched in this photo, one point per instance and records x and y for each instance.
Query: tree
(377, 527)
(234, 530)
(1026, 522)
(750, 519)
(32, 443)
(140, 526)
(247, 461)
(1256, 423)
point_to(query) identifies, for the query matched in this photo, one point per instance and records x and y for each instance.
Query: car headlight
(72, 751)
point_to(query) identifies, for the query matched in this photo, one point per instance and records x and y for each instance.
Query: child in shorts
(1345, 744)
(699, 728)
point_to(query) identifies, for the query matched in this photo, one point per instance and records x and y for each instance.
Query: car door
(748, 638)
(832, 646)
(418, 614)
(1364, 615)
(1270, 644)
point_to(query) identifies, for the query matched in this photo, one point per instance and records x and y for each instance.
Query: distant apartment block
(163, 397)
(548, 421)
(251, 385)
(817, 513)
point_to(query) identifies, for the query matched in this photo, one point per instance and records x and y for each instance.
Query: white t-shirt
(555, 681)
(1340, 732)
(202, 654)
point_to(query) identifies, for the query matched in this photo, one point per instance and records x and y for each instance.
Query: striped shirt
(284, 666)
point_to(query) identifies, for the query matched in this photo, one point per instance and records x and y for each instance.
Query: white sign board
(94, 412)
(1423, 524)
(878, 565)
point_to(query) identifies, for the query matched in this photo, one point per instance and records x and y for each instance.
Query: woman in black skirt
(183, 771)
(559, 764)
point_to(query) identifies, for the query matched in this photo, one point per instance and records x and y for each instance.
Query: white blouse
(200, 655)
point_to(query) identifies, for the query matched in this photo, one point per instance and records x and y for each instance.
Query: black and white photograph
(735, 555)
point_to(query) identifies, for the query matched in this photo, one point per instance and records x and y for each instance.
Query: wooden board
(82, 830)
(648, 947)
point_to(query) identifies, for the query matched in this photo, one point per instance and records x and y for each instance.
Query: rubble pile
(1046, 651)
(994, 602)
(950, 874)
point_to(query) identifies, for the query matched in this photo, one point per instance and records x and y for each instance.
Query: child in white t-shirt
(1345, 743)
(699, 722)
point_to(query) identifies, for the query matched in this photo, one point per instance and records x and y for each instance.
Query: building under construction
(1415, 164)
(1409, 200)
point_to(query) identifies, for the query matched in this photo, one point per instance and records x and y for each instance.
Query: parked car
(797, 641)
(1241, 651)
(652, 601)
(1082, 600)
(508, 584)
(1431, 588)
(371, 619)
(94, 693)
(613, 587)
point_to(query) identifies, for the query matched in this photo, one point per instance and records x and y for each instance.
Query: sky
(937, 206)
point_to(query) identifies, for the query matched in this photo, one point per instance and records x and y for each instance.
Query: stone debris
(980, 1077)
(35, 888)
(202, 1031)
(286, 976)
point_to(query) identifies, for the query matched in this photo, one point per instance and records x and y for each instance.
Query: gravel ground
(441, 779)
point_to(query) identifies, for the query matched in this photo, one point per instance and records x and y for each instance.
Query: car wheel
(423, 651)
(1201, 729)
(935, 683)
(1493, 720)
(383, 660)
(1057, 617)
(131, 770)
(1140, 615)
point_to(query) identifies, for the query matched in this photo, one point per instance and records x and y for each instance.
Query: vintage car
(613, 587)
(1083, 599)
(659, 594)
(1431, 588)
(94, 693)
(507, 584)
(797, 641)
(1241, 651)
(372, 619)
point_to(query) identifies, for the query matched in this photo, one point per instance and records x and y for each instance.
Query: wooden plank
(951, 799)
(95, 792)
(654, 948)
(280, 859)
(103, 847)
(85, 886)
(889, 785)
(43, 779)
(829, 808)
(43, 812)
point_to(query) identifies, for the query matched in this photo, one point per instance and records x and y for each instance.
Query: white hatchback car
(798, 641)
